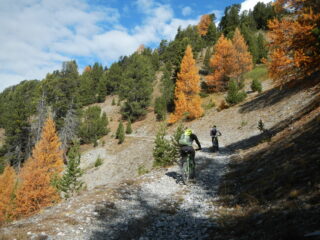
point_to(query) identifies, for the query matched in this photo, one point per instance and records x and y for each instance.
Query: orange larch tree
(203, 25)
(243, 56)
(223, 64)
(7, 186)
(187, 99)
(294, 41)
(36, 188)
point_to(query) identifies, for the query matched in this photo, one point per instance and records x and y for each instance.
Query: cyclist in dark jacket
(215, 133)
(186, 148)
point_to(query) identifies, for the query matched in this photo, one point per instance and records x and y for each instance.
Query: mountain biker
(215, 133)
(185, 142)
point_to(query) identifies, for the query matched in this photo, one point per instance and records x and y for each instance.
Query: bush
(210, 105)
(256, 86)
(166, 151)
(120, 133)
(129, 128)
(160, 108)
(98, 162)
(142, 170)
(203, 94)
(234, 95)
(163, 152)
(113, 102)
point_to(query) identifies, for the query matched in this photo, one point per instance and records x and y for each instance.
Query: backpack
(185, 140)
(213, 132)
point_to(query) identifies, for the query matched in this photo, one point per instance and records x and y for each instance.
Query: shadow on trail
(145, 217)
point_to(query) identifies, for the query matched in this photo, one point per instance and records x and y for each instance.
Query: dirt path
(162, 207)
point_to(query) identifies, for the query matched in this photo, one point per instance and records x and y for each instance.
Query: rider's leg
(217, 144)
(192, 153)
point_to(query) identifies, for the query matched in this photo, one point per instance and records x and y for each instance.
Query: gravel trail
(162, 207)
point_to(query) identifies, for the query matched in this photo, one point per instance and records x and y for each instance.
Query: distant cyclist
(185, 142)
(215, 133)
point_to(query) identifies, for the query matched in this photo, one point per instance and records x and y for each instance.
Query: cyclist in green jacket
(186, 148)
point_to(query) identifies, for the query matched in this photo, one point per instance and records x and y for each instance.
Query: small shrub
(242, 124)
(142, 170)
(98, 162)
(120, 133)
(103, 143)
(163, 149)
(160, 108)
(129, 128)
(113, 102)
(203, 94)
(210, 105)
(234, 95)
(256, 86)
(261, 126)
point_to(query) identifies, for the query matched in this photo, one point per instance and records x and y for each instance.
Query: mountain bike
(187, 167)
(215, 144)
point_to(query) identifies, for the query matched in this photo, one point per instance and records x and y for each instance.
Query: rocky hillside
(120, 204)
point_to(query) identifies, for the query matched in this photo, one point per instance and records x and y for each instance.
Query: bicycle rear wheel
(186, 170)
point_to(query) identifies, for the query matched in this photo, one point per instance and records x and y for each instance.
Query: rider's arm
(197, 141)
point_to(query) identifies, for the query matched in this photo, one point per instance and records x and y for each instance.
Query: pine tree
(243, 57)
(36, 188)
(262, 47)
(129, 128)
(70, 183)
(206, 61)
(204, 23)
(223, 64)
(294, 43)
(234, 95)
(8, 181)
(120, 132)
(187, 90)
(163, 153)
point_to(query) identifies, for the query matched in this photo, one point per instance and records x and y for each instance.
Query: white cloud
(37, 35)
(186, 11)
(249, 4)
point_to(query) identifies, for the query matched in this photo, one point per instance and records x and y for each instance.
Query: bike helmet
(188, 132)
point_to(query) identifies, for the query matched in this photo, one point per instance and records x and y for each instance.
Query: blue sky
(36, 36)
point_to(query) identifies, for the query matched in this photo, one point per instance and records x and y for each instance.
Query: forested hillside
(204, 70)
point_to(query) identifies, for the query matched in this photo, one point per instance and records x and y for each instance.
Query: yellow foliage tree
(187, 99)
(204, 24)
(242, 55)
(294, 41)
(36, 189)
(7, 185)
(223, 64)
